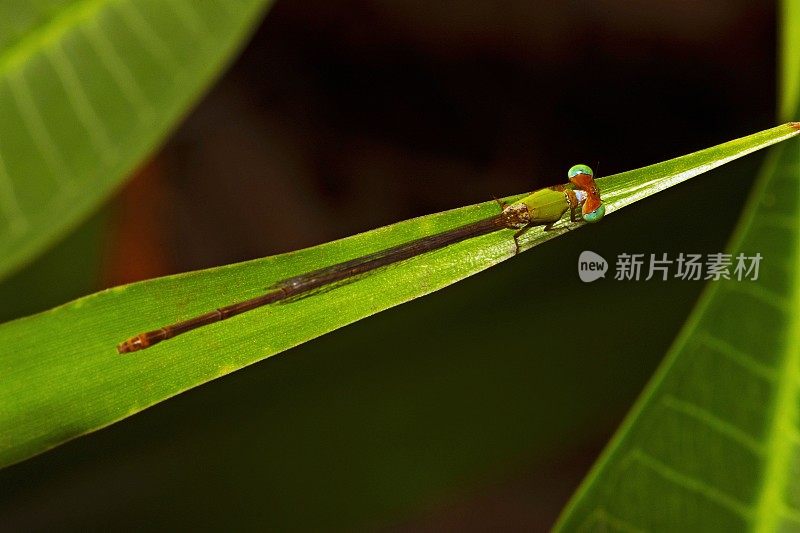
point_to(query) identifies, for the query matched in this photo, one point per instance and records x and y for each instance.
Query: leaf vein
(778, 220)
(601, 516)
(37, 128)
(120, 73)
(188, 16)
(151, 41)
(710, 420)
(743, 359)
(691, 484)
(762, 294)
(9, 202)
(80, 102)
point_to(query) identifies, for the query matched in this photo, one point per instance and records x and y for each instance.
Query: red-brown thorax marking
(586, 183)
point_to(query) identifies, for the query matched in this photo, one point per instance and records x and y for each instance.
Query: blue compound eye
(579, 169)
(595, 215)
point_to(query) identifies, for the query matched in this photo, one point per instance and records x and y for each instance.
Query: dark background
(482, 405)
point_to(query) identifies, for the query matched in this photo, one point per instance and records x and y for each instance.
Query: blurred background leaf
(418, 107)
(715, 437)
(87, 89)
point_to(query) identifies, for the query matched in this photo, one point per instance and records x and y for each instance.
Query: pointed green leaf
(63, 377)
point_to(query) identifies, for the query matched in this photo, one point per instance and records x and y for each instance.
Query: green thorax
(545, 205)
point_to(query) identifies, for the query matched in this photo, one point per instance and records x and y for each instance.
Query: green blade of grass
(713, 443)
(87, 89)
(64, 378)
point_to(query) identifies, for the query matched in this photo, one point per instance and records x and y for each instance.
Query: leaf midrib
(782, 428)
(48, 33)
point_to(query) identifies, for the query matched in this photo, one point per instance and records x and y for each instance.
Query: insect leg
(519, 233)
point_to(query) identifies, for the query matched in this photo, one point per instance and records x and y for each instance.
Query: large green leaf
(87, 89)
(64, 378)
(714, 441)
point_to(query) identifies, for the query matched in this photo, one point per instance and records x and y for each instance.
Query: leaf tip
(795, 125)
